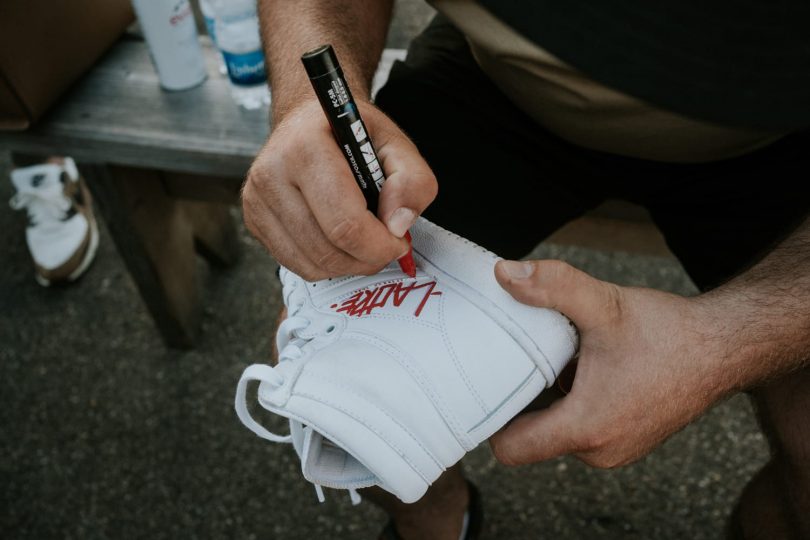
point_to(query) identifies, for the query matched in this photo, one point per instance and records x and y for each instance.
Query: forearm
(759, 322)
(651, 362)
(355, 28)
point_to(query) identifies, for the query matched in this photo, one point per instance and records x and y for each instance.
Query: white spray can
(171, 34)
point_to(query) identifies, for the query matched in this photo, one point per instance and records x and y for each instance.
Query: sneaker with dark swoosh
(62, 234)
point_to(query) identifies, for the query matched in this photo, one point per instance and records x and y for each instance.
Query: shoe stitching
(507, 323)
(516, 392)
(421, 379)
(286, 413)
(336, 282)
(311, 374)
(440, 328)
(351, 414)
(494, 305)
(459, 368)
(403, 318)
(371, 477)
(373, 405)
(335, 485)
(496, 258)
(436, 400)
(348, 294)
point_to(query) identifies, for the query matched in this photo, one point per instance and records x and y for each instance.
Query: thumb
(410, 185)
(535, 436)
(587, 301)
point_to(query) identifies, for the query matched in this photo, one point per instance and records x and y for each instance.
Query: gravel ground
(106, 434)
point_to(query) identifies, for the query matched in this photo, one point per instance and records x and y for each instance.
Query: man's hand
(302, 201)
(647, 366)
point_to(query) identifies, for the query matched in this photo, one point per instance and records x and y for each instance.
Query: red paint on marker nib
(406, 262)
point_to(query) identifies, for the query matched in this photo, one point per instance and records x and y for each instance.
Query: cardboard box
(46, 45)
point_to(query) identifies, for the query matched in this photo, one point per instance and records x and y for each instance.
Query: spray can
(171, 34)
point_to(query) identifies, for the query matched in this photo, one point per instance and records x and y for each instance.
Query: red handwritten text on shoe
(365, 301)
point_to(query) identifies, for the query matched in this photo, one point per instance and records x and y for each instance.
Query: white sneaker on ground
(62, 234)
(388, 380)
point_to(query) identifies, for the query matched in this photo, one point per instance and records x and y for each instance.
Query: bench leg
(215, 235)
(156, 240)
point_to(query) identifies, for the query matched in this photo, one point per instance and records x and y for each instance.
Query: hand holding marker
(336, 99)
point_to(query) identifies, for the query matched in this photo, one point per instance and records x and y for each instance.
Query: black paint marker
(350, 132)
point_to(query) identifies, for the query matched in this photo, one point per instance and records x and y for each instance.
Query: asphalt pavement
(107, 434)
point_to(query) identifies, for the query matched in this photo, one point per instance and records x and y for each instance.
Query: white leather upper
(406, 375)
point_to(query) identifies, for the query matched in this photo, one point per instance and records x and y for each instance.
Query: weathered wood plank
(118, 114)
(203, 188)
(215, 235)
(156, 240)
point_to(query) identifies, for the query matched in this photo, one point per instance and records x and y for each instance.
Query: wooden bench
(163, 168)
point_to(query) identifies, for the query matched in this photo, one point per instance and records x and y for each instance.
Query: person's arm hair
(309, 211)
(651, 362)
(762, 317)
(355, 28)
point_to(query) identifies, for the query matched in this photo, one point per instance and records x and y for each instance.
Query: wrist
(687, 339)
(710, 348)
(284, 103)
(303, 104)
(742, 346)
(303, 100)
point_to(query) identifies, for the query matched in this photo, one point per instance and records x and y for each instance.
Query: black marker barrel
(336, 99)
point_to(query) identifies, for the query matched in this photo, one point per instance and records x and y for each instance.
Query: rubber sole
(87, 260)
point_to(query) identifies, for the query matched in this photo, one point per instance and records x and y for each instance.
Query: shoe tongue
(326, 464)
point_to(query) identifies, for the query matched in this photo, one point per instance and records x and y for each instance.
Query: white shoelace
(45, 205)
(290, 345)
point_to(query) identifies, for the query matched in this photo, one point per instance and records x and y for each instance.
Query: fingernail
(400, 221)
(518, 269)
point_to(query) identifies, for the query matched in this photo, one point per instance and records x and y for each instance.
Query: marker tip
(406, 262)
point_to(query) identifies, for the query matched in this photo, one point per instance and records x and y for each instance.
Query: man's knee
(783, 407)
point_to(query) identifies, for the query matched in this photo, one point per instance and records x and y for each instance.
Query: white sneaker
(389, 380)
(62, 234)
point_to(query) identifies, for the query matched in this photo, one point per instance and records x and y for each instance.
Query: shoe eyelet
(330, 329)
